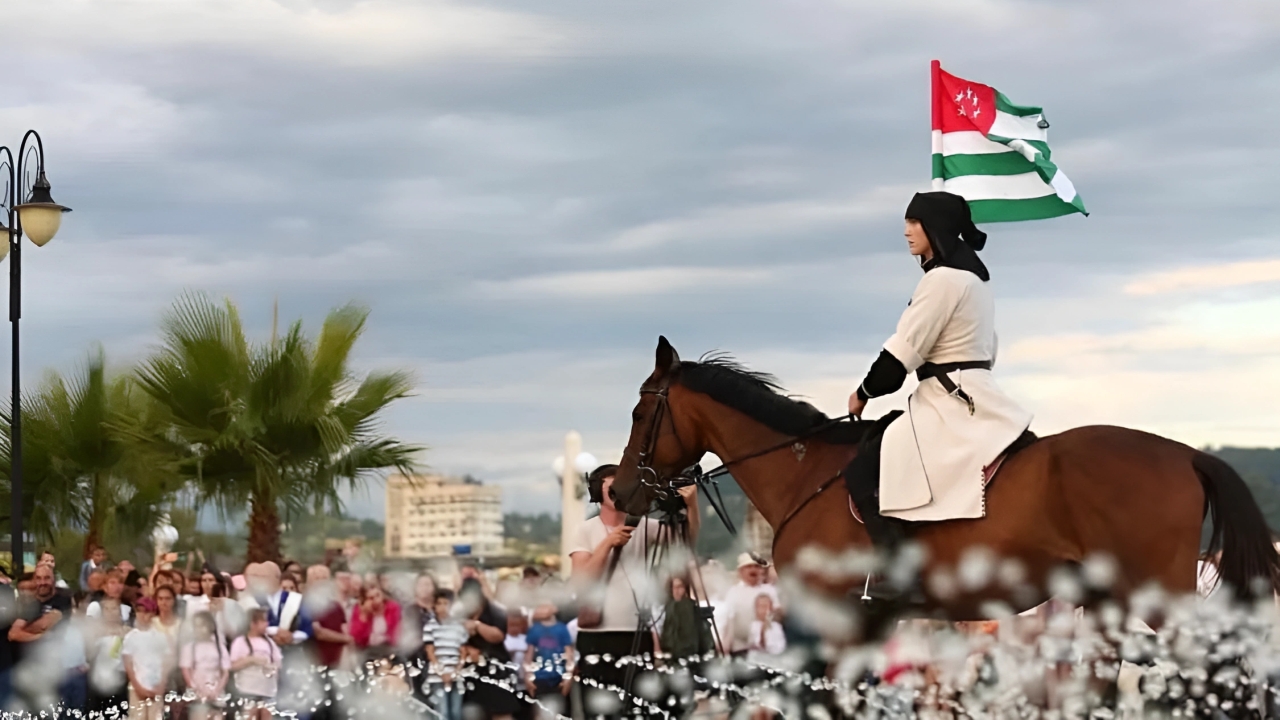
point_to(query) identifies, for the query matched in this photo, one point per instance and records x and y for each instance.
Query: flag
(995, 154)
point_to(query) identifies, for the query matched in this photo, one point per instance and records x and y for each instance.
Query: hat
(748, 559)
(146, 605)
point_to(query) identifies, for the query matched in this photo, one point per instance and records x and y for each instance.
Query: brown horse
(1135, 498)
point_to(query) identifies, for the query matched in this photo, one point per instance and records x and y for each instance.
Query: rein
(706, 481)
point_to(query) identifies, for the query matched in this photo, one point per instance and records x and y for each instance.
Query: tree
(280, 426)
(82, 468)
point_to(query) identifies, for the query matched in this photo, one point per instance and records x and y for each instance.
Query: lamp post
(571, 475)
(30, 209)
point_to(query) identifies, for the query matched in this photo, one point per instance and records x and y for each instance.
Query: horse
(1135, 499)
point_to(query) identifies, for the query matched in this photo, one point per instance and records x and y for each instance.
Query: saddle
(863, 478)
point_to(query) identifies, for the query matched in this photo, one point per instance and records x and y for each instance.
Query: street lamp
(29, 207)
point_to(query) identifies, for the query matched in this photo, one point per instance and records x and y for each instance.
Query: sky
(527, 194)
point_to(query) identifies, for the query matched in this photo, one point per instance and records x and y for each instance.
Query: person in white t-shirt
(608, 546)
(147, 663)
(766, 639)
(739, 608)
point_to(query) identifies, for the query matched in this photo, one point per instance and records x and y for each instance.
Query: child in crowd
(443, 641)
(766, 638)
(146, 663)
(516, 643)
(551, 660)
(108, 685)
(204, 666)
(255, 659)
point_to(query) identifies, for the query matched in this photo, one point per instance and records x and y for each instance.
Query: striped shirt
(447, 638)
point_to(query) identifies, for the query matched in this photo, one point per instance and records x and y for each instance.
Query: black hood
(955, 239)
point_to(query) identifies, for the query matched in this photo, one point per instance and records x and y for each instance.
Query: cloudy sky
(527, 194)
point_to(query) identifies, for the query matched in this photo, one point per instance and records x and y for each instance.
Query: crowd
(204, 643)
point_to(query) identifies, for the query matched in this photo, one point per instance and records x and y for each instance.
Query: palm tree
(81, 466)
(280, 427)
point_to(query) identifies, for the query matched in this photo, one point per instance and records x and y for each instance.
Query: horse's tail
(1250, 565)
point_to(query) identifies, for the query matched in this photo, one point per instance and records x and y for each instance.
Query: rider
(929, 465)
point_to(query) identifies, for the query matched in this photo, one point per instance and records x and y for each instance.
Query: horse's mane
(760, 396)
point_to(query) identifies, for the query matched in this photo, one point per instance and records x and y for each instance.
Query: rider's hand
(856, 405)
(619, 536)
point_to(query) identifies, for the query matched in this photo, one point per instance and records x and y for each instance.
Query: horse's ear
(667, 359)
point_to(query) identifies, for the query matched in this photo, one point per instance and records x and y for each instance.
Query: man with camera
(617, 589)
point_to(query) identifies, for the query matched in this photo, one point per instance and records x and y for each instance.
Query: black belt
(941, 370)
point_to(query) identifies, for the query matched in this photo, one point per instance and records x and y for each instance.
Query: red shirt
(333, 618)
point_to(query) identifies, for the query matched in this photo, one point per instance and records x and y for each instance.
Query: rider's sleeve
(886, 375)
(931, 307)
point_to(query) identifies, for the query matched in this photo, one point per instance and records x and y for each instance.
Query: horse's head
(655, 452)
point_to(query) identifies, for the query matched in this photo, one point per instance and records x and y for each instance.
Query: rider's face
(917, 240)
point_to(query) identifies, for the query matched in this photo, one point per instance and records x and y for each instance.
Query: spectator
(551, 660)
(167, 620)
(443, 641)
(178, 581)
(192, 587)
(208, 578)
(422, 609)
(256, 660)
(329, 628)
(147, 659)
(685, 634)
(108, 684)
(136, 585)
(375, 623)
(294, 569)
(112, 601)
(530, 578)
(289, 583)
(486, 626)
(74, 688)
(684, 639)
(416, 617)
(97, 559)
(347, 591)
(109, 618)
(8, 612)
(205, 664)
(740, 604)
(97, 577)
(228, 616)
(36, 636)
(517, 643)
(767, 638)
(604, 558)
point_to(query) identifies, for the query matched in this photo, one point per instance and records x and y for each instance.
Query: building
(435, 516)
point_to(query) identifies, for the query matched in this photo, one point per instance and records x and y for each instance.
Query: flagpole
(935, 94)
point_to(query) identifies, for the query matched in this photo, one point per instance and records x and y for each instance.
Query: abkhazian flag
(995, 154)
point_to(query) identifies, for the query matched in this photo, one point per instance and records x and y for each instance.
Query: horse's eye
(636, 416)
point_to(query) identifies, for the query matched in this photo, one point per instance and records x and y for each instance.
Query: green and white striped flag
(995, 154)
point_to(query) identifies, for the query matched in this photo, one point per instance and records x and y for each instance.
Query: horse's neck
(777, 482)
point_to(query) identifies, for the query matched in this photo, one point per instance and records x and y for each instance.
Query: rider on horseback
(929, 465)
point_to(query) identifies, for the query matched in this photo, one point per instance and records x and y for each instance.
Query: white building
(431, 515)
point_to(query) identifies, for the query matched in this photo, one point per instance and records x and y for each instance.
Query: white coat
(932, 457)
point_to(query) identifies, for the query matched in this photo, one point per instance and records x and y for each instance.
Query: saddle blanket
(988, 475)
